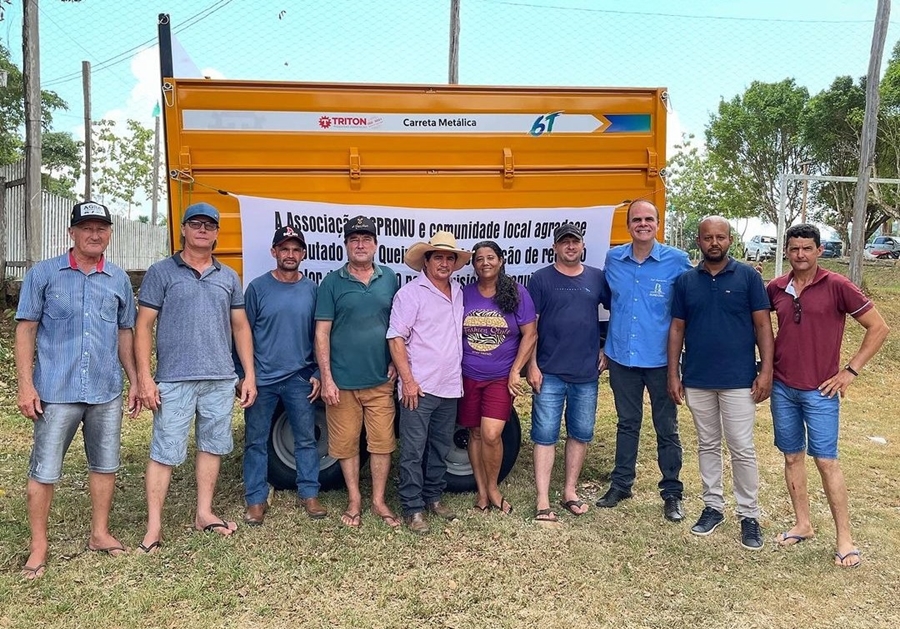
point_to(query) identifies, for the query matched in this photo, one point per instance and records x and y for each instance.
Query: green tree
(886, 197)
(12, 110)
(123, 164)
(691, 194)
(832, 124)
(61, 155)
(752, 140)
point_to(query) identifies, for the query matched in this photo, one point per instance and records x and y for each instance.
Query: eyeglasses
(207, 225)
(798, 311)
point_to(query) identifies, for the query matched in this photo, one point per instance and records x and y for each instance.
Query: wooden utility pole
(453, 78)
(867, 141)
(31, 71)
(88, 137)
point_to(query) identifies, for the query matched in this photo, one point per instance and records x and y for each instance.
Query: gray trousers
(732, 413)
(426, 435)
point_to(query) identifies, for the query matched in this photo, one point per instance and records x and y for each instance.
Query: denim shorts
(56, 427)
(799, 416)
(547, 408)
(209, 403)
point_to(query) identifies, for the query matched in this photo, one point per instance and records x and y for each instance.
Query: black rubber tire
(459, 471)
(283, 470)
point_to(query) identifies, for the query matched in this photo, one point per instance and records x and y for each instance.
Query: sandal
(545, 515)
(504, 507)
(353, 520)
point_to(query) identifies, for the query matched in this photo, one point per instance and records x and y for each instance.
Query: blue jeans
(799, 416)
(293, 393)
(628, 384)
(580, 399)
(425, 438)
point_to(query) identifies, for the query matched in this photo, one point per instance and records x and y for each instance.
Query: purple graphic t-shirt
(491, 337)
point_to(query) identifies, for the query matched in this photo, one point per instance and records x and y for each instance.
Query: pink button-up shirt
(431, 326)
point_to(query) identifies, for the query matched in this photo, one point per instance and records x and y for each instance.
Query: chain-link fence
(702, 51)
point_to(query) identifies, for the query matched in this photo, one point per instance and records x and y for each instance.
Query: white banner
(526, 235)
(360, 122)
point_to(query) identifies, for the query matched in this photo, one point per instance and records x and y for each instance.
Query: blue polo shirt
(193, 327)
(641, 295)
(79, 317)
(719, 338)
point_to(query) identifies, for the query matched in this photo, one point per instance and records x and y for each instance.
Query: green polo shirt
(359, 316)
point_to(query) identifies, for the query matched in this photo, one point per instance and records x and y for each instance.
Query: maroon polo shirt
(809, 352)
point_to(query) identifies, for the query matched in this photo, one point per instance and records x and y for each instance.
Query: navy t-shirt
(719, 338)
(568, 321)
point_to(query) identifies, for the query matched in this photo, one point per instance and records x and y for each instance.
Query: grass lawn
(623, 567)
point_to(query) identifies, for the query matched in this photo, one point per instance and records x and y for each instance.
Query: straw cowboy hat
(441, 241)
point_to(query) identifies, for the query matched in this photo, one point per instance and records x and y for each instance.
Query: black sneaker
(751, 535)
(708, 521)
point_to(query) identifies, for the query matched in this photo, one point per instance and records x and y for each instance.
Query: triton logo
(349, 122)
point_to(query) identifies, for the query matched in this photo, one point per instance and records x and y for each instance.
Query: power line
(126, 55)
(675, 15)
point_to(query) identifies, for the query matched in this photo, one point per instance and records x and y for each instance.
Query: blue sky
(701, 50)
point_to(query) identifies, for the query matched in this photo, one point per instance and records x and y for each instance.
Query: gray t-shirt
(193, 329)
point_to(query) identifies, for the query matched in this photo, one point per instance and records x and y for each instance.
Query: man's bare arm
(28, 400)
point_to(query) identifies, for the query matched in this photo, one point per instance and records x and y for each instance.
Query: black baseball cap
(359, 225)
(567, 229)
(283, 234)
(89, 211)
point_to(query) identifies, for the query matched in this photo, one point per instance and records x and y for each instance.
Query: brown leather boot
(441, 511)
(416, 523)
(255, 514)
(313, 508)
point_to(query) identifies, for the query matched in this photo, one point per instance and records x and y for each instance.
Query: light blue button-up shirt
(639, 315)
(79, 317)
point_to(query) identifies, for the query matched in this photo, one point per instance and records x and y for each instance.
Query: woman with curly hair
(499, 335)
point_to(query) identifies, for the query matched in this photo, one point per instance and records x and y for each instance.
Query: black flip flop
(149, 549)
(499, 507)
(570, 505)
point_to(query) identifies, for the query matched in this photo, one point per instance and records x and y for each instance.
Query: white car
(760, 248)
(884, 243)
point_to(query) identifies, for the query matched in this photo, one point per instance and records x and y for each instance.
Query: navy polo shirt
(719, 338)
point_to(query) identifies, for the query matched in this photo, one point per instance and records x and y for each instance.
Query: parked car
(883, 243)
(832, 249)
(760, 248)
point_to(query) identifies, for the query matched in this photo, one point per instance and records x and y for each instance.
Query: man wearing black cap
(280, 306)
(564, 367)
(77, 310)
(352, 315)
(197, 306)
